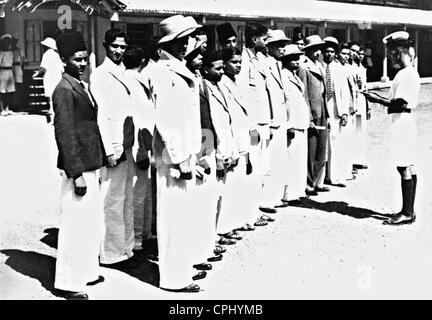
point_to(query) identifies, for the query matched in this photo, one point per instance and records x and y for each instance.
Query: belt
(5, 68)
(390, 111)
(17, 63)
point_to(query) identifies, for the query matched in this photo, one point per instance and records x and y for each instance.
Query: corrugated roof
(307, 10)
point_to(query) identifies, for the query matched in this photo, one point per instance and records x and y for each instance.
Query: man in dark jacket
(80, 156)
(312, 75)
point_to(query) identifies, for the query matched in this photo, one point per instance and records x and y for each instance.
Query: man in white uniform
(297, 125)
(176, 142)
(143, 112)
(337, 99)
(402, 132)
(109, 88)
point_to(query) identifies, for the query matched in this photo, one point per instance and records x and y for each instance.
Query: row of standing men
(234, 135)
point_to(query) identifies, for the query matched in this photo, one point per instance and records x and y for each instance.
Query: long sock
(414, 189)
(407, 192)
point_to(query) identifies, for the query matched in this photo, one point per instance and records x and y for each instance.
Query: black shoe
(219, 249)
(268, 210)
(215, 258)
(203, 266)
(311, 192)
(322, 189)
(190, 288)
(199, 275)
(360, 166)
(125, 264)
(98, 280)
(72, 295)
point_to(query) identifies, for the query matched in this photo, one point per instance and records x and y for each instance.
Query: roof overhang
(305, 10)
(104, 8)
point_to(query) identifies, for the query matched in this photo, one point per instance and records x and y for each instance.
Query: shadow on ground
(51, 237)
(143, 266)
(34, 265)
(340, 207)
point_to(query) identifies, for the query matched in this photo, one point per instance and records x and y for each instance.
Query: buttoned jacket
(221, 119)
(300, 115)
(76, 130)
(109, 88)
(277, 92)
(252, 81)
(313, 78)
(340, 88)
(177, 127)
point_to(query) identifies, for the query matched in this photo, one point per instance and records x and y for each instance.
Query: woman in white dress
(402, 131)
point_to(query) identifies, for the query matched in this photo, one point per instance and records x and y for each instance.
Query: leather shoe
(72, 295)
(190, 288)
(215, 258)
(199, 275)
(311, 192)
(219, 249)
(98, 280)
(322, 189)
(203, 266)
(268, 210)
(225, 241)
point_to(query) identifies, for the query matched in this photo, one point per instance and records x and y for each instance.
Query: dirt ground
(330, 247)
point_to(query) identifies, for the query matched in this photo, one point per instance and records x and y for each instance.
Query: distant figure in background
(51, 68)
(226, 35)
(19, 61)
(80, 156)
(7, 84)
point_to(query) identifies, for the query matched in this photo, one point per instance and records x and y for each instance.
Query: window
(140, 33)
(241, 36)
(33, 37)
(310, 30)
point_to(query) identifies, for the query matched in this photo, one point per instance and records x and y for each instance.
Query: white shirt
(53, 65)
(406, 86)
(112, 95)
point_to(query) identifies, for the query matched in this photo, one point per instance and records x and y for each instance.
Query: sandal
(260, 223)
(267, 218)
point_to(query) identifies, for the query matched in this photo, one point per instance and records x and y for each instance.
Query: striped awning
(303, 10)
(105, 8)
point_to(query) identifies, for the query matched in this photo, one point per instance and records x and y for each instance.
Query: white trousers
(340, 162)
(206, 196)
(142, 206)
(80, 234)
(296, 166)
(360, 139)
(117, 189)
(273, 185)
(176, 211)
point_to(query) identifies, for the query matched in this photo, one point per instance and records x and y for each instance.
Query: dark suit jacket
(76, 131)
(313, 80)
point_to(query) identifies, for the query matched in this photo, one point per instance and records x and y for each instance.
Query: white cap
(50, 43)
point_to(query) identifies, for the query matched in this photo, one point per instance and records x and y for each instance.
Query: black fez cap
(225, 31)
(69, 43)
(212, 56)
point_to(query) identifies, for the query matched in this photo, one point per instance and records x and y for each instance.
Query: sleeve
(171, 117)
(65, 132)
(100, 92)
(45, 62)
(302, 74)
